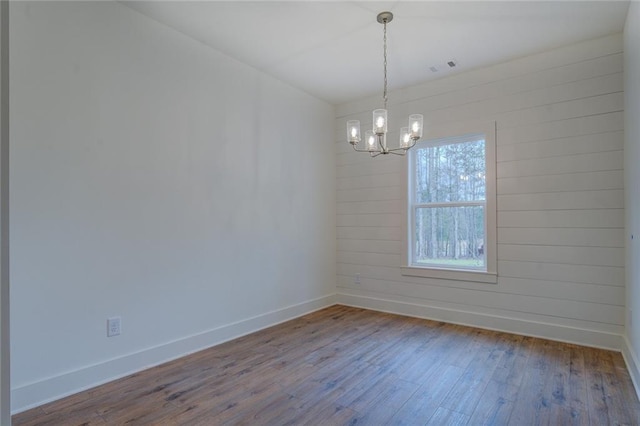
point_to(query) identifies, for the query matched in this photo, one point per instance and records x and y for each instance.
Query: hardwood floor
(344, 365)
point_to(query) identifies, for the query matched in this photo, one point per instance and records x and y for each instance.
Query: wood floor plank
(598, 399)
(511, 368)
(327, 414)
(577, 393)
(558, 410)
(424, 402)
(377, 415)
(494, 407)
(479, 368)
(67, 419)
(615, 400)
(531, 406)
(444, 416)
(621, 371)
(345, 366)
(384, 398)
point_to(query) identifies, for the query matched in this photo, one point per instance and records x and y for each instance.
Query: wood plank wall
(559, 117)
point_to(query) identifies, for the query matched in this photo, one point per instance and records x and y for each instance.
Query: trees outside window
(447, 203)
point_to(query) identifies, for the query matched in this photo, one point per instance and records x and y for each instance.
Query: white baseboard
(585, 337)
(633, 366)
(53, 388)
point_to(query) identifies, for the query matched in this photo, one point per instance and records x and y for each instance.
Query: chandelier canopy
(376, 139)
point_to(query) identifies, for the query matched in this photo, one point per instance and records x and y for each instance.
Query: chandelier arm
(374, 154)
(363, 150)
(405, 149)
(380, 143)
(399, 149)
(393, 151)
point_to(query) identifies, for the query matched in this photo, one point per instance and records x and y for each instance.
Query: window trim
(491, 274)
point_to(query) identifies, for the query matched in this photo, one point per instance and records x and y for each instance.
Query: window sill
(449, 274)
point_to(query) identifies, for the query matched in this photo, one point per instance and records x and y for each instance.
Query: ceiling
(333, 49)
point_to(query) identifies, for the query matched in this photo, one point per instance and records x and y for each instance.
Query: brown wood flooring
(345, 366)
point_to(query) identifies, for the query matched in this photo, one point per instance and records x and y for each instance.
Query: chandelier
(376, 139)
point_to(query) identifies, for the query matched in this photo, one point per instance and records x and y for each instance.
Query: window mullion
(450, 204)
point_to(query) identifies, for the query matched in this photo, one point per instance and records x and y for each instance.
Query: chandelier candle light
(376, 139)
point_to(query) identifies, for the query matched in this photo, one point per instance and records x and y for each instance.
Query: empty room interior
(320, 212)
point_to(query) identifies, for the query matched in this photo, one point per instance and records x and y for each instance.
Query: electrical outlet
(113, 326)
(356, 279)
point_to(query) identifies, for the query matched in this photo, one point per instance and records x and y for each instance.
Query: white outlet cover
(113, 326)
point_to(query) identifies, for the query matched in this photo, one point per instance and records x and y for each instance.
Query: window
(451, 207)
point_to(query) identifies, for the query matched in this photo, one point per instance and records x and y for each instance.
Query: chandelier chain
(384, 95)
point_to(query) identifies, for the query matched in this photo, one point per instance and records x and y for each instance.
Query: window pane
(450, 237)
(450, 173)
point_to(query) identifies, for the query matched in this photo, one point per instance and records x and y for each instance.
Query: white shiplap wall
(559, 117)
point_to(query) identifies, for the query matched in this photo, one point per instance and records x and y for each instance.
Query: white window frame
(490, 246)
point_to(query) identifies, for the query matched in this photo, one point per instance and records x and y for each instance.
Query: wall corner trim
(633, 365)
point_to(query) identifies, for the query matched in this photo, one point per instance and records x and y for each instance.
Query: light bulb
(405, 137)
(416, 123)
(353, 132)
(370, 139)
(380, 121)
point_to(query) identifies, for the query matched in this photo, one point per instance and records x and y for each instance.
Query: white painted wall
(155, 179)
(559, 118)
(632, 180)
